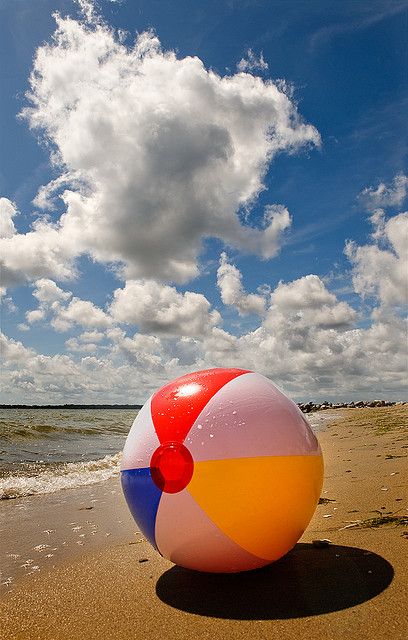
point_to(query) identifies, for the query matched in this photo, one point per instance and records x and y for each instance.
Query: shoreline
(71, 406)
(354, 587)
(305, 407)
(56, 527)
(59, 526)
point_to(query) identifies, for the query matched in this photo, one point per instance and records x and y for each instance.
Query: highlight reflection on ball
(221, 471)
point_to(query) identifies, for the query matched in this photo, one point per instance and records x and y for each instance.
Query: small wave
(66, 476)
(17, 425)
(12, 432)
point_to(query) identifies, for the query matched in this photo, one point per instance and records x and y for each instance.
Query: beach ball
(221, 471)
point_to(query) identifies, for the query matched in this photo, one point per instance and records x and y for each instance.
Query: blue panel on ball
(143, 499)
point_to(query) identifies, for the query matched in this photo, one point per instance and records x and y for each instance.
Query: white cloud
(252, 62)
(155, 155)
(35, 315)
(8, 303)
(162, 309)
(276, 219)
(49, 295)
(161, 153)
(386, 195)
(86, 342)
(307, 302)
(141, 350)
(229, 281)
(308, 292)
(60, 325)
(81, 312)
(88, 9)
(312, 362)
(92, 336)
(221, 348)
(65, 310)
(7, 212)
(42, 252)
(43, 379)
(382, 271)
(73, 344)
(307, 344)
(152, 306)
(45, 198)
(47, 291)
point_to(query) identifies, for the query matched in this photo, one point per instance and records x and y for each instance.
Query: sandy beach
(97, 578)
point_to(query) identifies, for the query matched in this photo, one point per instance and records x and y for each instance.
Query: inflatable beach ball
(221, 471)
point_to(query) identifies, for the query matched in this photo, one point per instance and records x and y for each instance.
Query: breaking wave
(64, 476)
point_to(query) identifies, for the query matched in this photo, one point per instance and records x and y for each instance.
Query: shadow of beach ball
(221, 471)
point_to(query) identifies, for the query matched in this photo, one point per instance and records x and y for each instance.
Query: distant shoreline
(71, 406)
(305, 407)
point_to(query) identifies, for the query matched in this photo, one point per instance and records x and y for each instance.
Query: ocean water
(45, 450)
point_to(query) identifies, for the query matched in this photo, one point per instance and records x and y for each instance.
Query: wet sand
(116, 585)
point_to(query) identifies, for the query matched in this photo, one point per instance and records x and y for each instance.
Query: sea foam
(65, 476)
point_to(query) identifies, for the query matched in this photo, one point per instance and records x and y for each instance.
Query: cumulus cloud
(308, 300)
(7, 302)
(140, 350)
(88, 9)
(47, 291)
(151, 306)
(380, 269)
(7, 212)
(46, 195)
(41, 379)
(153, 155)
(229, 281)
(252, 62)
(157, 152)
(302, 327)
(35, 315)
(313, 350)
(276, 220)
(307, 343)
(53, 304)
(49, 295)
(86, 342)
(162, 309)
(42, 252)
(73, 344)
(12, 350)
(385, 196)
(92, 336)
(83, 313)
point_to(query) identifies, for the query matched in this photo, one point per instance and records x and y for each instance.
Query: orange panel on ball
(264, 504)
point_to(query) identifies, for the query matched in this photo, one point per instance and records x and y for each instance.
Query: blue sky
(231, 192)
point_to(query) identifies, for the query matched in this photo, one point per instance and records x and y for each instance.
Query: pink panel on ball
(141, 442)
(186, 536)
(250, 417)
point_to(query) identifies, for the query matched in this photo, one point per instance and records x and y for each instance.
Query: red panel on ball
(177, 405)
